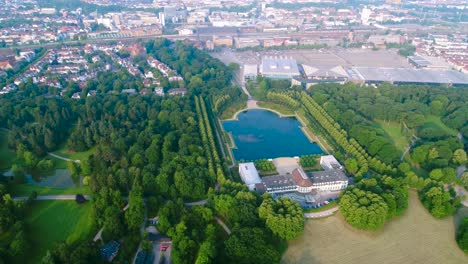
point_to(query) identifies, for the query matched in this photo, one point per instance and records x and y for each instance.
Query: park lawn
(27, 189)
(277, 107)
(436, 122)
(414, 237)
(50, 222)
(65, 152)
(232, 109)
(393, 131)
(7, 156)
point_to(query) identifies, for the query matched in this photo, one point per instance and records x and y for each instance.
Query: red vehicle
(164, 247)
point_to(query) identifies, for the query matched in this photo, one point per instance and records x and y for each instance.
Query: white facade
(249, 174)
(329, 162)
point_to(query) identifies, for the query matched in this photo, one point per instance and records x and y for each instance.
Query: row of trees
(283, 99)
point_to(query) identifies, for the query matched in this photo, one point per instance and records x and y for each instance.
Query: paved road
(63, 197)
(201, 202)
(322, 214)
(223, 225)
(62, 158)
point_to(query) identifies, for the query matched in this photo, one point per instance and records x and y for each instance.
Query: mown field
(27, 189)
(53, 221)
(415, 237)
(395, 133)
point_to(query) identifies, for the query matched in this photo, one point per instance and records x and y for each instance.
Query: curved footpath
(252, 104)
(321, 214)
(62, 158)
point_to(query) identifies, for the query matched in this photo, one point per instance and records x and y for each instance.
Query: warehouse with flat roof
(279, 68)
(408, 76)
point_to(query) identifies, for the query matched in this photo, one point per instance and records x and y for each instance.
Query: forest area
(157, 152)
(354, 120)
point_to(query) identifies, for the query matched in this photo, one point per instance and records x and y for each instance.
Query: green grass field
(436, 122)
(281, 109)
(394, 132)
(232, 109)
(54, 221)
(415, 237)
(65, 152)
(6, 156)
(27, 189)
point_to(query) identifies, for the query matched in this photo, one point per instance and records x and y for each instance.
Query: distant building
(129, 91)
(320, 74)
(159, 91)
(249, 175)
(177, 91)
(279, 68)
(76, 96)
(250, 72)
(329, 162)
(222, 41)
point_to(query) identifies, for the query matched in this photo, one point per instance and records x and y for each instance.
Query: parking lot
(322, 57)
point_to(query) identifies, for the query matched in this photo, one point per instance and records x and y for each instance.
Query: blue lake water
(261, 134)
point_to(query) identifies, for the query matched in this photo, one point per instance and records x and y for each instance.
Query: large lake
(261, 134)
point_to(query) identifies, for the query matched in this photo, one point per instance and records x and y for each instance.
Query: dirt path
(322, 213)
(62, 158)
(201, 202)
(223, 225)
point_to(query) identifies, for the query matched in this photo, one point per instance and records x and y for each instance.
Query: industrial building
(407, 76)
(250, 72)
(320, 74)
(279, 68)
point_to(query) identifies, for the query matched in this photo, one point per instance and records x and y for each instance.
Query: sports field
(415, 237)
(53, 221)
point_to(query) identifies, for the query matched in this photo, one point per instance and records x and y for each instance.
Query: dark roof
(301, 179)
(278, 181)
(328, 176)
(109, 251)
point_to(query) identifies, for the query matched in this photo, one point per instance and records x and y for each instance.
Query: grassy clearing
(27, 189)
(436, 122)
(54, 221)
(415, 237)
(6, 156)
(65, 152)
(232, 109)
(393, 130)
(279, 108)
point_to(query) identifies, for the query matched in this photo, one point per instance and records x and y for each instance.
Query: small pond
(60, 178)
(261, 134)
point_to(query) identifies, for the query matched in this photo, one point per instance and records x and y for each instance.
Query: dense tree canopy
(284, 217)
